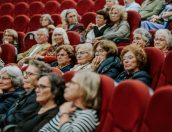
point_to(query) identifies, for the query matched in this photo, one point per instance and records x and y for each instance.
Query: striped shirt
(80, 121)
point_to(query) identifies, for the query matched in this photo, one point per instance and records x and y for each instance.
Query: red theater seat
(7, 9)
(21, 8)
(67, 4)
(88, 18)
(52, 7)
(34, 23)
(8, 53)
(74, 37)
(166, 73)
(158, 117)
(6, 21)
(99, 4)
(21, 23)
(127, 108)
(155, 62)
(36, 7)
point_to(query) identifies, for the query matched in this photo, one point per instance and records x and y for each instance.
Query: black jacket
(7, 99)
(140, 75)
(20, 110)
(110, 67)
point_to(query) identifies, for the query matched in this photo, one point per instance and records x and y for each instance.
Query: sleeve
(156, 11)
(85, 122)
(50, 59)
(6, 104)
(120, 33)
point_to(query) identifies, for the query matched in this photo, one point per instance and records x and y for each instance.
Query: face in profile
(138, 40)
(43, 91)
(160, 42)
(83, 56)
(58, 38)
(72, 18)
(73, 91)
(30, 77)
(5, 82)
(8, 38)
(130, 62)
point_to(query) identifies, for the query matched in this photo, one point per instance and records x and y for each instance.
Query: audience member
(134, 59)
(120, 27)
(142, 37)
(26, 104)
(46, 21)
(59, 37)
(39, 48)
(10, 36)
(163, 40)
(65, 58)
(109, 4)
(80, 113)
(106, 60)
(11, 82)
(96, 30)
(159, 21)
(49, 94)
(132, 5)
(150, 8)
(84, 56)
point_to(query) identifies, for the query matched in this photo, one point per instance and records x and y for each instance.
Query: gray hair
(64, 34)
(167, 34)
(43, 30)
(15, 73)
(48, 16)
(147, 37)
(115, 1)
(86, 47)
(65, 12)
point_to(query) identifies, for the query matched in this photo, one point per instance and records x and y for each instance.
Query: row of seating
(131, 108)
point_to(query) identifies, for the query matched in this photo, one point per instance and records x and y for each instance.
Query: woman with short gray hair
(163, 40)
(142, 37)
(11, 82)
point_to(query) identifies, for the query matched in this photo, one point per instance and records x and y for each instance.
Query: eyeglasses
(100, 51)
(127, 57)
(81, 53)
(4, 78)
(25, 73)
(62, 55)
(42, 86)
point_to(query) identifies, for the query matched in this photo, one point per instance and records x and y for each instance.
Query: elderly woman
(59, 37)
(163, 40)
(142, 37)
(84, 56)
(106, 60)
(10, 36)
(120, 27)
(79, 114)
(49, 94)
(65, 58)
(11, 81)
(134, 59)
(46, 21)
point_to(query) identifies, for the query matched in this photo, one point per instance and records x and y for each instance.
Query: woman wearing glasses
(134, 60)
(11, 82)
(106, 60)
(84, 56)
(80, 113)
(65, 58)
(49, 94)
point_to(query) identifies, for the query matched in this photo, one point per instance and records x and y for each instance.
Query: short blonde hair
(139, 53)
(122, 11)
(14, 35)
(90, 85)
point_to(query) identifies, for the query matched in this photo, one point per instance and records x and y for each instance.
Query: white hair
(43, 30)
(64, 34)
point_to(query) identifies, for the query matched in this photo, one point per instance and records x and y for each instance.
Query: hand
(21, 62)
(96, 62)
(90, 26)
(38, 57)
(67, 108)
(51, 27)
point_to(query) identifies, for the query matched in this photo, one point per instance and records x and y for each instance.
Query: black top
(35, 122)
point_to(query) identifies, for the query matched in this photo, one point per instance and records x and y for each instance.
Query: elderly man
(26, 104)
(40, 48)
